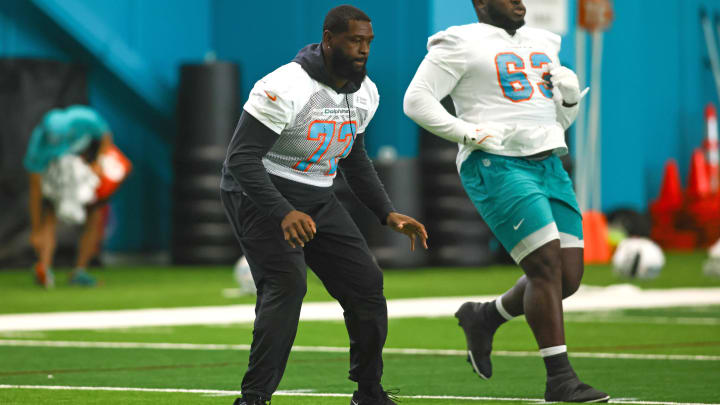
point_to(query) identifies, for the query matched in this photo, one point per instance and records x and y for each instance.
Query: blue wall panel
(20, 35)
(251, 34)
(162, 32)
(656, 80)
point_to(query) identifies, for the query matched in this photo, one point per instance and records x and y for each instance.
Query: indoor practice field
(663, 355)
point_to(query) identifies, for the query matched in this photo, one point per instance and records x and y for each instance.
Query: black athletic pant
(341, 259)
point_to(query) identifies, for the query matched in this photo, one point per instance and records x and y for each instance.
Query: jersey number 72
(324, 131)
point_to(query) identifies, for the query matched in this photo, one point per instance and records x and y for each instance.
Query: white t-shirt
(496, 82)
(317, 125)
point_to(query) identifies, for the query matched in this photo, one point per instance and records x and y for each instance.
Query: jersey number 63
(512, 78)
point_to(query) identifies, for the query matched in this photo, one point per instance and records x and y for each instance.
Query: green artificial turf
(684, 331)
(167, 287)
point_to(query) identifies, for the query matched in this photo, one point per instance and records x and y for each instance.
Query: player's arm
(35, 165)
(422, 104)
(35, 200)
(105, 143)
(250, 143)
(360, 174)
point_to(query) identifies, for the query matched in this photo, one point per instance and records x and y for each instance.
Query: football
(711, 267)
(244, 277)
(638, 258)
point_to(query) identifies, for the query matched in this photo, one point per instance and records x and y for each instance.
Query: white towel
(69, 183)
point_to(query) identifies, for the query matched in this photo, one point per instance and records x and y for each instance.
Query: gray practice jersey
(317, 126)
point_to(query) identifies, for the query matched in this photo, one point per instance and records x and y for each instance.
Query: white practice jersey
(498, 82)
(317, 125)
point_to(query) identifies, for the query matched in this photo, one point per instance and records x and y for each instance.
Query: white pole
(581, 155)
(712, 49)
(594, 147)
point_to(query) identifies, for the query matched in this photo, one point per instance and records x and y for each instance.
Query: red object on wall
(595, 15)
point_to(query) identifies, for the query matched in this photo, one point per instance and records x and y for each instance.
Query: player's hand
(298, 228)
(409, 226)
(566, 82)
(483, 139)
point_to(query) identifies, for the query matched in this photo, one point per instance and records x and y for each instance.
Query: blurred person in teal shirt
(73, 131)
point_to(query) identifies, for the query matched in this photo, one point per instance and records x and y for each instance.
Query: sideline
(588, 298)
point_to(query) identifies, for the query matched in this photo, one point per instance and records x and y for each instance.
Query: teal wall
(260, 45)
(656, 78)
(161, 34)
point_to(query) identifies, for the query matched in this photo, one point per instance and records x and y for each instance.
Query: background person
(59, 143)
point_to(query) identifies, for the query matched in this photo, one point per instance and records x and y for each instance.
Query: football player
(514, 102)
(302, 124)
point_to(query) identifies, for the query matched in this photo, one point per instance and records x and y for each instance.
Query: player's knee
(289, 288)
(369, 307)
(369, 300)
(543, 265)
(571, 282)
(569, 288)
(375, 282)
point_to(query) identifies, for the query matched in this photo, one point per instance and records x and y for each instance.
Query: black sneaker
(251, 400)
(479, 336)
(384, 399)
(569, 388)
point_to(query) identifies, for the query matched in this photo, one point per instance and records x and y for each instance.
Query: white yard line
(586, 299)
(316, 394)
(331, 349)
(660, 320)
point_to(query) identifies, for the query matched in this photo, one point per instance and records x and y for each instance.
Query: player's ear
(327, 38)
(480, 6)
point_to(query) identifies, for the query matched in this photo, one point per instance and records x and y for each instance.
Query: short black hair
(338, 19)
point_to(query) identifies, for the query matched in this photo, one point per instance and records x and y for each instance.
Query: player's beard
(344, 67)
(501, 20)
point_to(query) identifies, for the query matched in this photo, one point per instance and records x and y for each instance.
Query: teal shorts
(526, 203)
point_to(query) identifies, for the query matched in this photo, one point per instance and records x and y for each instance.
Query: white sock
(501, 309)
(551, 351)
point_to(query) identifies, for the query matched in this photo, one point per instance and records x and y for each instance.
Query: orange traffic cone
(698, 180)
(595, 231)
(671, 194)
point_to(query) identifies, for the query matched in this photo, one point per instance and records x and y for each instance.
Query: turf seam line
(315, 394)
(331, 349)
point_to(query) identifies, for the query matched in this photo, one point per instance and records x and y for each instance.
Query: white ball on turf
(638, 258)
(711, 267)
(244, 277)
